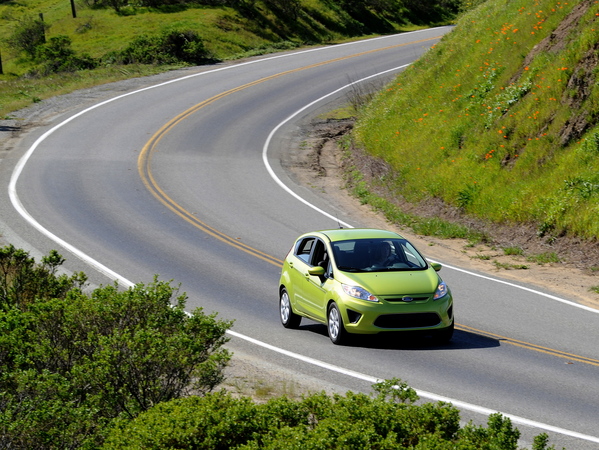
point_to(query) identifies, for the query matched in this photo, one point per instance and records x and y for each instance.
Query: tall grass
(479, 125)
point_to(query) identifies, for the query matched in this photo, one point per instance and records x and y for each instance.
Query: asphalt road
(184, 178)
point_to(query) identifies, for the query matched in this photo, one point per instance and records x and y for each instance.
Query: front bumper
(361, 317)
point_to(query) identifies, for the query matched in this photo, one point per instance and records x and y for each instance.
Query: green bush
(57, 56)
(388, 420)
(72, 364)
(27, 35)
(170, 47)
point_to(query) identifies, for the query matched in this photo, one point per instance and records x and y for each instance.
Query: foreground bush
(389, 420)
(71, 363)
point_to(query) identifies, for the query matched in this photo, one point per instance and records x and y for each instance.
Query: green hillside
(499, 120)
(120, 43)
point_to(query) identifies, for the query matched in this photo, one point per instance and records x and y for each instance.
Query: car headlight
(442, 291)
(358, 292)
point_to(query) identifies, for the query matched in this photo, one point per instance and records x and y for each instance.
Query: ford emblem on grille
(407, 299)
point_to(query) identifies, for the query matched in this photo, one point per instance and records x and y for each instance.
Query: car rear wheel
(288, 318)
(337, 332)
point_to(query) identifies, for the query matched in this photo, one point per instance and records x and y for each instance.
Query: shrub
(386, 420)
(170, 47)
(57, 56)
(72, 364)
(29, 33)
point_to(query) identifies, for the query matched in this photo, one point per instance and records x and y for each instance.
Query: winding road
(185, 178)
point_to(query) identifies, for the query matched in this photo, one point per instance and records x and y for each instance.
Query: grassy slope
(485, 120)
(227, 34)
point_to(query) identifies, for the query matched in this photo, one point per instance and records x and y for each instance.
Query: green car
(363, 281)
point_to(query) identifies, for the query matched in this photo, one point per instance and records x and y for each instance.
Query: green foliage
(171, 46)
(317, 421)
(57, 56)
(395, 390)
(541, 441)
(499, 434)
(71, 363)
(544, 258)
(421, 225)
(22, 281)
(289, 8)
(513, 251)
(387, 420)
(27, 35)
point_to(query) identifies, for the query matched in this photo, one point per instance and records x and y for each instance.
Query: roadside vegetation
(115, 368)
(74, 364)
(498, 121)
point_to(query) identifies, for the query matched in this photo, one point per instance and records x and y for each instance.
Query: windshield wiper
(390, 269)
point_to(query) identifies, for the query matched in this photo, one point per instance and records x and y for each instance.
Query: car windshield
(377, 255)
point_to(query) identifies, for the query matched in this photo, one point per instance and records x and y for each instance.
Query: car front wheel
(288, 318)
(337, 332)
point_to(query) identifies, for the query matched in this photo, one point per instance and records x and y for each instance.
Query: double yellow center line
(144, 161)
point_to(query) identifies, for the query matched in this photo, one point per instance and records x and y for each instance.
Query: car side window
(304, 248)
(319, 254)
(320, 257)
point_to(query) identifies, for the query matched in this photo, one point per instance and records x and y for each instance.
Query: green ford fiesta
(363, 281)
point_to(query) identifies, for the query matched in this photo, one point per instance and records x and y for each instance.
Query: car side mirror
(316, 271)
(436, 266)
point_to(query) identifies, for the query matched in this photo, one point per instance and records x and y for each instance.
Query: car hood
(394, 283)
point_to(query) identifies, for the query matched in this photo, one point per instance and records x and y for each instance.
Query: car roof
(344, 234)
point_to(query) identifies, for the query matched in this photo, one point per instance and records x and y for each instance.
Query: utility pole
(43, 28)
(73, 9)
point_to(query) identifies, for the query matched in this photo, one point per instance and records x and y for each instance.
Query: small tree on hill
(28, 34)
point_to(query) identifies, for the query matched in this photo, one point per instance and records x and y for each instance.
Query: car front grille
(415, 320)
(406, 298)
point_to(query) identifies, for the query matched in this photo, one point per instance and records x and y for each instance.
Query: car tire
(444, 336)
(288, 318)
(335, 327)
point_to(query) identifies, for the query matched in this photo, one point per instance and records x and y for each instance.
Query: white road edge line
(16, 202)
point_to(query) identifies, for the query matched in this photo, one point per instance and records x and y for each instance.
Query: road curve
(172, 180)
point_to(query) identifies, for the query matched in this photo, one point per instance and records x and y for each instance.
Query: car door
(315, 286)
(299, 266)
